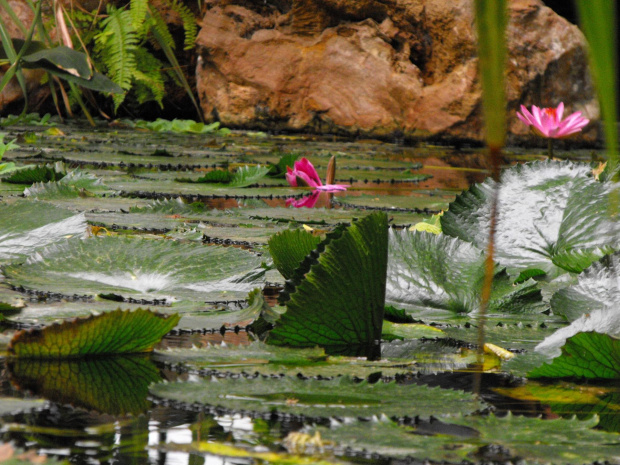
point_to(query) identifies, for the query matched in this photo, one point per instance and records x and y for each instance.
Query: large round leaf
(28, 226)
(552, 216)
(155, 268)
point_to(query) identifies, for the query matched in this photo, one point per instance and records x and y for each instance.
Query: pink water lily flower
(548, 122)
(303, 174)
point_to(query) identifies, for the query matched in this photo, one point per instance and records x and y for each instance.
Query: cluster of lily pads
(92, 238)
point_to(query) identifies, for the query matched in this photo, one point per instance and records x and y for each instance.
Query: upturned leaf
(553, 216)
(289, 248)
(437, 272)
(337, 295)
(598, 288)
(117, 332)
(589, 355)
(35, 174)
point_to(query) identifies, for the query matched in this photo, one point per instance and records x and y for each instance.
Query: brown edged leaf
(117, 332)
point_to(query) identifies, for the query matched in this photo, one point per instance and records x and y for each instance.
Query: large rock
(379, 67)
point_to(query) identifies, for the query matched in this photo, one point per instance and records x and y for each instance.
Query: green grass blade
(598, 22)
(491, 20)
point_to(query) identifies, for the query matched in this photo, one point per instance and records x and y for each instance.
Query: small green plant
(121, 47)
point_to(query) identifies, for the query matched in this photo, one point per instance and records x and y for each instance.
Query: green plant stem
(550, 148)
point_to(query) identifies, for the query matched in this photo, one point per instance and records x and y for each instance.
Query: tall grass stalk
(491, 18)
(598, 22)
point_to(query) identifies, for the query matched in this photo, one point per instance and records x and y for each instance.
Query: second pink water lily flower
(548, 122)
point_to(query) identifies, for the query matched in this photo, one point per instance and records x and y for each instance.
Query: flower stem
(550, 148)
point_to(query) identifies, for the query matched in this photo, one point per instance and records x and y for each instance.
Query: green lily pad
(553, 216)
(598, 288)
(570, 400)
(26, 227)
(147, 268)
(74, 184)
(589, 355)
(340, 397)
(117, 332)
(479, 438)
(267, 359)
(429, 272)
(337, 295)
(113, 385)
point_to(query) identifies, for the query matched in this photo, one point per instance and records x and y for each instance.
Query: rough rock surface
(379, 67)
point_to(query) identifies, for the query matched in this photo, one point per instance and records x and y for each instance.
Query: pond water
(127, 186)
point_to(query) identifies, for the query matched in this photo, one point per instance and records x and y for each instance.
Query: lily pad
(117, 332)
(570, 400)
(143, 267)
(113, 385)
(429, 272)
(337, 295)
(340, 397)
(484, 439)
(553, 216)
(29, 226)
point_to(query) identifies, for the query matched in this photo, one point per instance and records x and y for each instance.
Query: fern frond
(163, 33)
(189, 22)
(149, 78)
(116, 46)
(138, 10)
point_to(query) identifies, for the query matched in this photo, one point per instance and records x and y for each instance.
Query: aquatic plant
(303, 174)
(548, 122)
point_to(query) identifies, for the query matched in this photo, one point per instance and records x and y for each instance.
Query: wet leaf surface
(437, 272)
(26, 227)
(598, 288)
(553, 217)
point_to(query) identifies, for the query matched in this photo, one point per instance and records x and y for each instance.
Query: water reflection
(112, 385)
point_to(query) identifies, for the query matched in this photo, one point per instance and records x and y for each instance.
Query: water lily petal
(332, 188)
(308, 201)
